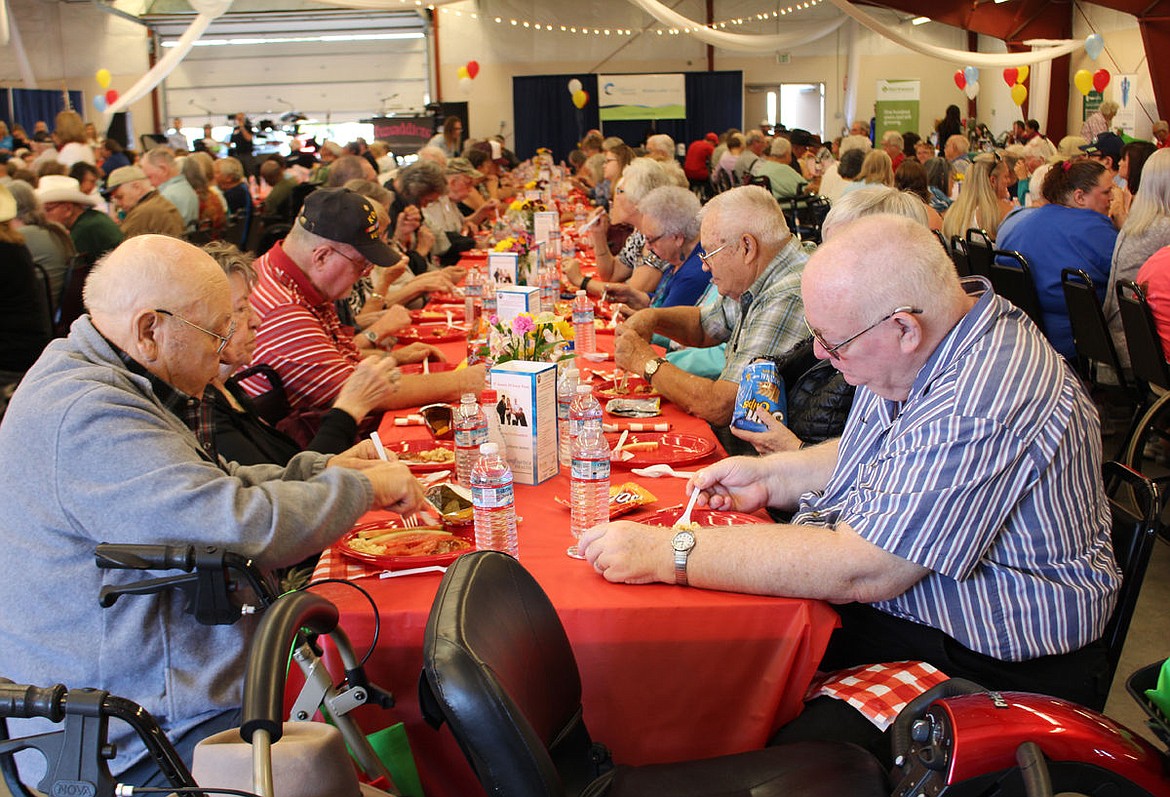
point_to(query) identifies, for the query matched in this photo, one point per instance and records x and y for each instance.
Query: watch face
(683, 541)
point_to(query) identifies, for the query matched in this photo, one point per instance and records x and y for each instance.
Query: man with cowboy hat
(93, 232)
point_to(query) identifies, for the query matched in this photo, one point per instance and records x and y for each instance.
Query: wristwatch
(651, 368)
(683, 543)
(371, 336)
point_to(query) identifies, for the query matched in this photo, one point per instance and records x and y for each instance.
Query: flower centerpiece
(543, 337)
(520, 220)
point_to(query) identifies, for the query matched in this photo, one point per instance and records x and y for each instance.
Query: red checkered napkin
(879, 691)
(336, 565)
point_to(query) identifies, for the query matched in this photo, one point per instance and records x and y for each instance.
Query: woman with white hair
(1146, 230)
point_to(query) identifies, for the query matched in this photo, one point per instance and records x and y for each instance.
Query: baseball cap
(123, 175)
(341, 215)
(714, 139)
(464, 167)
(1105, 144)
(493, 150)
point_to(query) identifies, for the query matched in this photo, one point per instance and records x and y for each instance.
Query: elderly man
(110, 427)
(444, 218)
(147, 211)
(349, 167)
(754, 144)
(93, 233)
(334, 242)
(955, 151)
(1099, 121)
(893, 144)
(1161, 133)
(755, 263)
(162, 170)
(279, 201)
(782, 172)
(957, 523)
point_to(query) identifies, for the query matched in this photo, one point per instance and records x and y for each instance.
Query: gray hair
(232, 260)
(641, 177)
(1150, 203)
(662, 143)
(371, 190)
(893, 137)
(674, 209)
(1109, 108)
(754, 136)
(855, 142)
(870, 201)
(193, 173)
(419, 179)
(160, 156)
(750, 210)
(230, 167)
(781, 147)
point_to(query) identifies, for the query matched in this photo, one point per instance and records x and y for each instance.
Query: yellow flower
(505, 245)
(517, 204)
(564, 329)
(531, 184)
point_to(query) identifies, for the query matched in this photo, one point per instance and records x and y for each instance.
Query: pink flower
(522, 324)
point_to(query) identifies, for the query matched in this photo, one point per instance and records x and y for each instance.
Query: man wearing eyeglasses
(334, 242)
(755, 264)
(960, 519)
(108, 439)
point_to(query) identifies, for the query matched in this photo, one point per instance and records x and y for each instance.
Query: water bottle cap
(488, 395)
(469, 398)
(487, 449)
(583, 389)
(580, 293)
(572, 373)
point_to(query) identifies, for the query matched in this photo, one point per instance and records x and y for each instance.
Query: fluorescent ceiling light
(347, 37)
(919, 20)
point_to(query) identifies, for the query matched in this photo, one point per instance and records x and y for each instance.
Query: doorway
(790, 104)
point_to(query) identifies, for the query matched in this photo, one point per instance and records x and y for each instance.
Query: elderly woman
(876, 169)
(449, 219)
(415, 187)
(642, 269)
(983, 203)
(212, 211)
(1072, 230)
(241, 435)
(48, 242)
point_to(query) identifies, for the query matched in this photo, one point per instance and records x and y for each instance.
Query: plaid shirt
(767, 320)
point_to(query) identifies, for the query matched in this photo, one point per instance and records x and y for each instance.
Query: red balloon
(472, 69)
(1100, 79)
(111, 96)
(960, 79)
(1010, 76)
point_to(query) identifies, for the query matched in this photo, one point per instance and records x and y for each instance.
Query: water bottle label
(583, 316)
(492, 497)
(591, 470)
(471, 438)
(563, 408)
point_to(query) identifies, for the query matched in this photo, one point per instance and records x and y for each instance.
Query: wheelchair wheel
(1148, 452)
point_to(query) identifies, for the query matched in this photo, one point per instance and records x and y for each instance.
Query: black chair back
(498, 668)
(1146, 357)
(1014, 283)
(45, 301)
(1090, 331)
(959, 257)
(271, 405)
(980, 252)
(762, 180)
(1135, 503)
(71, 305)
(721, 180)
(806, 215)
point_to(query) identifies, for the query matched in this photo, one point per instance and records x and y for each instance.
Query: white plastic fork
(686, 516)
(655, 471)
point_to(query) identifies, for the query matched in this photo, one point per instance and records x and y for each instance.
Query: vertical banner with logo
(642, 97)
(896, 107)
(1125, 95)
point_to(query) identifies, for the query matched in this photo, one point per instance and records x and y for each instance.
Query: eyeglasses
(832, 350)
(656, 239)
(223, 339)
(363, 266)
(706, 256)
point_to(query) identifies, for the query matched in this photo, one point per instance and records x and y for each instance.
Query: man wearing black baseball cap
(335, 241)
(1105, 148)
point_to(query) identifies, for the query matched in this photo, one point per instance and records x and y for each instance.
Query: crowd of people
(924, 508)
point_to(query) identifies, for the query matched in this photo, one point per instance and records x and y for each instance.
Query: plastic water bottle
(566, 392)
(489, 299)
(584, 335)
(495, 434)
(548, 288)
(584, 409)
(590, 481)
(472, 294)
(470, 433)
(492, 498)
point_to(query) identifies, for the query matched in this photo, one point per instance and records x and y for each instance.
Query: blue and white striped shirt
(989, 475)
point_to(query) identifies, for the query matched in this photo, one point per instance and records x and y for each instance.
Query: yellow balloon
(1019, 94)
(103, 78)
(1021, 74)
(1083, 80)
(580, 98)
(462, 72)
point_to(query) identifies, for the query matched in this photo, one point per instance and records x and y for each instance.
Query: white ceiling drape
(795, 33)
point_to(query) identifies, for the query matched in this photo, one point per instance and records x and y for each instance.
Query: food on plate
(692, 526)
(645, 445)
(407, 542)
(432, 456)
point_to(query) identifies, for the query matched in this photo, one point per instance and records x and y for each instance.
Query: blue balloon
(100, 103)
(972, 74)
(1094, 45)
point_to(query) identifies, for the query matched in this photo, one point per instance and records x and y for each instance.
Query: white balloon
(972, 90)
(574, 86)
(465, 85)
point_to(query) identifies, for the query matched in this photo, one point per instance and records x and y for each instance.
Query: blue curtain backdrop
(545, 116)
(26, 106)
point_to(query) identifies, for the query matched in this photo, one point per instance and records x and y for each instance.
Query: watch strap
(680, 567)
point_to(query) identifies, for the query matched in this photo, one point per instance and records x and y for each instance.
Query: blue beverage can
(760, 393)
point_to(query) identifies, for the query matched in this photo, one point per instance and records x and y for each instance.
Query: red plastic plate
(431, 333)
(393, 562)
(704, 517)
(436, 366)
(674, 448)
(431, 315)
(636, 387)
(444, 298)
(405, 449)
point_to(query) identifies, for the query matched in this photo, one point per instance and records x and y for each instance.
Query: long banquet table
(668, 673)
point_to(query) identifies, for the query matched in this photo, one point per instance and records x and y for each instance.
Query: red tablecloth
(669, 673)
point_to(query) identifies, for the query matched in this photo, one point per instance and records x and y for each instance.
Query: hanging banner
(896, 107)
(1125, 95)
(623, 97)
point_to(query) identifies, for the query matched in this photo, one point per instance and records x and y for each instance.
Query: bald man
(956, 521)
(113, 444)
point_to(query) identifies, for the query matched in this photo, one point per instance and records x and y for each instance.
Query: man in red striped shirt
(334, 242)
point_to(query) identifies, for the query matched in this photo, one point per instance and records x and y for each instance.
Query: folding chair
(980, 252)
(1013, 282)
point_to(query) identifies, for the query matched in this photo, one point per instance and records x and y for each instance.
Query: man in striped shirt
(960, 520)
(334, 242)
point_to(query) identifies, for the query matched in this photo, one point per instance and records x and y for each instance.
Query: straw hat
(310, 760)
(59, 188)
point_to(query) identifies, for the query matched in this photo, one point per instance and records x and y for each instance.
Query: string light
(545, 27)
